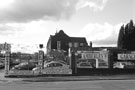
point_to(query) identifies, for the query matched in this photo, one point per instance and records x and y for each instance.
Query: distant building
(61, 41)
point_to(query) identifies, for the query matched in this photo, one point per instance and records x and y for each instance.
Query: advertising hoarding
(125, 60)
(92, 59)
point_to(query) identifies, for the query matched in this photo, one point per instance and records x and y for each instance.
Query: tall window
(76, 44)
(81, 44)
(70, 44)
(58, 45)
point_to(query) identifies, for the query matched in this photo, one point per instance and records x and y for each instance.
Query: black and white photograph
(67, 45)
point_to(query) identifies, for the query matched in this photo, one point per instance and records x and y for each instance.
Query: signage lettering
(126, 56)
(93, 56)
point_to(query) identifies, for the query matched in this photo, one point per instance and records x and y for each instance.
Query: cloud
(30, 10)
(10, 29)
(101, 34)
(25, 48)
(5, 30)
(23, 34)
(32, 32)
(95, 5)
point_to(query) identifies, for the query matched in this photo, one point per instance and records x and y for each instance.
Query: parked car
(84, 65)
(24, 66)
(55, 64)
(54, 67)
(118, 65)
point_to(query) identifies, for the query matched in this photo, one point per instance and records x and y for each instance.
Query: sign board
(41, 55)
(95, 55)
(5, 47)
(126, 57)
(92, 59)
(7, 61)
(7, 50)
(40, 59)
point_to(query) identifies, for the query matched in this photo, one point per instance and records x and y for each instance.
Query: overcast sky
(33, 21)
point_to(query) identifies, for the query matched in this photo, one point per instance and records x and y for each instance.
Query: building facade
(61, 41)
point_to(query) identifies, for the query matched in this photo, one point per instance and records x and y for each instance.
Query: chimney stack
(90, 44)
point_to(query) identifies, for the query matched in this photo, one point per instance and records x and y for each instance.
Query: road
(92, 84)
(70, 85)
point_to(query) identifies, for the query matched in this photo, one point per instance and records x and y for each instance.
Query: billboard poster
(92, 59)
(125, 60)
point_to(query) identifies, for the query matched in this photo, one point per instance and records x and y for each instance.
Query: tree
(121, 37)
(126, 38)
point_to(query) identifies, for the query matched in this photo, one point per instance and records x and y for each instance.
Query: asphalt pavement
(66, 78)
(72, 85)
(79, 78)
